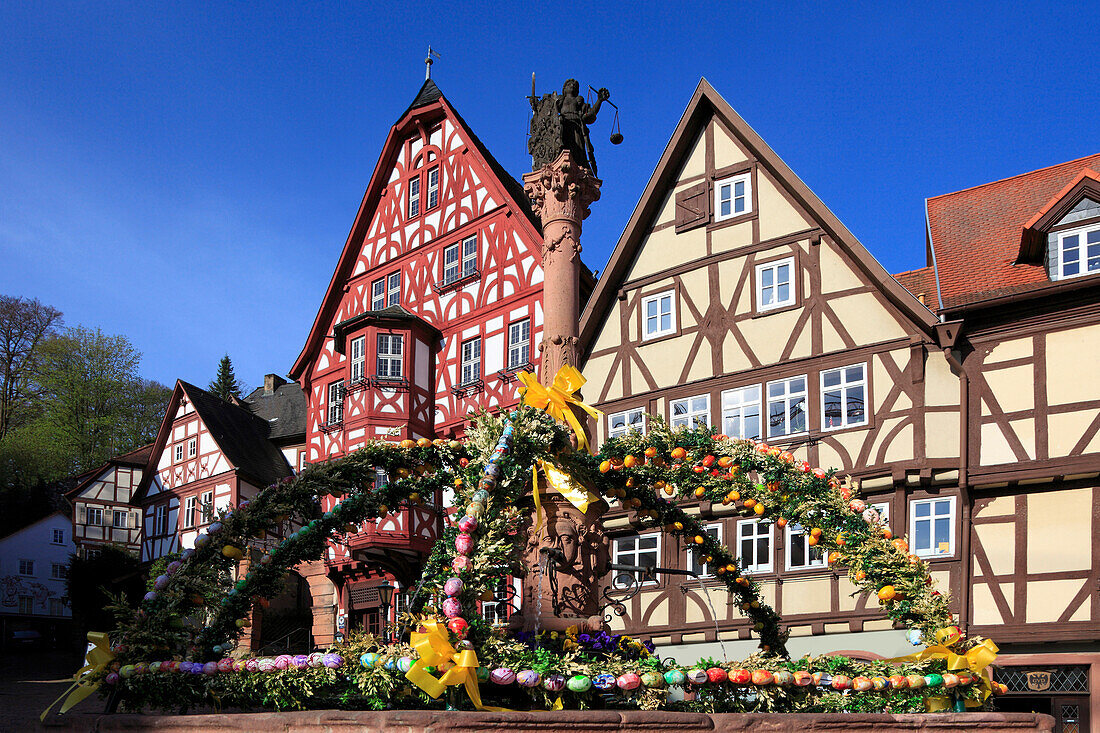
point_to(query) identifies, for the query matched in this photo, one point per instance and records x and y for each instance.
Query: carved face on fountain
(566, 538)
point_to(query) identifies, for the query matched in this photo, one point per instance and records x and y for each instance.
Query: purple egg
(554, 683)
(112, 678)
(528, 678)
(210, 668)
(332, 661)
(451, 607)
(185, 666)
(161, 582)
(301, 661)
(173, 567)
(453, 586)
(150, 596)
(199, 668)
(502, 676)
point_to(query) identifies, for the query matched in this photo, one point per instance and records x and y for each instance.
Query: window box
(444, 286)
(396, 384)
(467, 389)
(507, 375)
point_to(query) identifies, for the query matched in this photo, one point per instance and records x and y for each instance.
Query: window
(637, 550)
(883, 510)
(691, 412)
(471, 361)
(775, 284)
(433, 189)
(658, 315)
(358, 358)
(787, 407)
(932, 527)
(414, 196)
(58, 571)
(519, 343)
(741, 412)
(192, 447)
(621, 423)
(57, 608)
(460, 260)
(189, 505)
(95, 516)
(162, 520)
(120, 518)
(381, 478)
(179, 453)
(91, 553)
(695, 556)
(26, 604)
(59, 536)
(206, 506)
(469, 255)
(26, 567)
(732, 197)
(496, 610)
(393, 289)
(843, 397)
(389, 356)
(1079, 252)
(754, 545)
(336, 402)
(378, 294)
(800, 554)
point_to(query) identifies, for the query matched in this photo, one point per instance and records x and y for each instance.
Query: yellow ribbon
(434, 648)
(977, 659)
(558, 397)
(94, 662)
(561, 482)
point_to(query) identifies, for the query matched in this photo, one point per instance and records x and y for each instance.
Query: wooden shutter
(691, 207)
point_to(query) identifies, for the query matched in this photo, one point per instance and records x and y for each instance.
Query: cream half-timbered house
(102, 509)
(736, 299)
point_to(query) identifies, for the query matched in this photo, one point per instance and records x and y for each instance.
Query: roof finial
(428, 63)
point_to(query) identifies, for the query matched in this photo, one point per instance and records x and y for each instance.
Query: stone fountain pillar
(571, 544)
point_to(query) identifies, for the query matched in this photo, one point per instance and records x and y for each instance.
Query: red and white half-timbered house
(102, 510)
(434, 306)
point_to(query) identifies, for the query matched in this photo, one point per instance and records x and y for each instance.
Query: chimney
(272, 382)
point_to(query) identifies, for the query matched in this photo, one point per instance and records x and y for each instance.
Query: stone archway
(322, 601)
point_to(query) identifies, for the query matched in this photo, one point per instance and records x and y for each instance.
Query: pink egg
(467, 524)
(628, 681)
(451, 607)
(461, 563)
(453, 586)
(464, 543)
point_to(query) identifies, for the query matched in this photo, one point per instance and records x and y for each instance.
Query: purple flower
(585, 638)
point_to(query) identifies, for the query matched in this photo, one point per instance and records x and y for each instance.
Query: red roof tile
(921, 283)
(976, 233)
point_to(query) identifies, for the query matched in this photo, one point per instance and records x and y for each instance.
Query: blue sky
(186, 174)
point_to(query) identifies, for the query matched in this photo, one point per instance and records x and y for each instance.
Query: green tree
(24, 325)
(113, 571)
(225, 385)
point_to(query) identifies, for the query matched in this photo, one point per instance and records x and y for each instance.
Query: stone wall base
(575, 721)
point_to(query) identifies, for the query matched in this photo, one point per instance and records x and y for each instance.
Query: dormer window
(732, 197)
(1078, 251)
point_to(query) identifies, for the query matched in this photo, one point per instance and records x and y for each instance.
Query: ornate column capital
(562, 190)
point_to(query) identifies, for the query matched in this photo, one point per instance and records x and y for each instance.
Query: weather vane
(428, 63)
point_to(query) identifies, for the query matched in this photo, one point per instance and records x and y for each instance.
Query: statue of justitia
(560, 122)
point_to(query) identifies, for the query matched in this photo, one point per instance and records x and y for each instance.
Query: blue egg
(604, 681)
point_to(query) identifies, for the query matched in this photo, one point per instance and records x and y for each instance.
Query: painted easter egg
(404, 664)
(481, 495)
(861, 684)
(528, 678)
(451, 607)
(502, 676)
(857, 506)
(475, 510)
(202, 540)
(916, 681)
(716, 675)
(458, 626)
(390, 664)
(141, 668)
(674, 677)
(284, 661)
(802, 678)
(840, 682)
(605, 681)
(161, 582)
(628, 681)
(369, 660)
(899, 682)
(933, 680)
(225, 665)
(740, 676)
(653, 679)
(252, 665)
(697, 676)
(127, 671)
(482, 674)
(266, 664)
(464, 543)
(150, 596)
(316, 659)
(210, 668)
(579, 683)
(332, 661)
(112, 678)
(154, 667)
(461, 563)
(870, 516)
(761, 677)
(783, 678)
(467, 524)
(239, 665)
(453, 586)
(554, 682)
(880, 683)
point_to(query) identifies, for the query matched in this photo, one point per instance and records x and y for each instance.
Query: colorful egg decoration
(141, 668)
(482, 674)
(628, 681)
(316, 659)
(154, 667)
(127, 671)
(899, 682)
(740, 677)
(950, 680)
(404, 664)
(299, 661)
(784, 678)
(464, 543)
(267, 664)
(579, 683)
(861, 684)
(112, 678)
(716, 675)
(225, 665)
(161, 582)
(252, 665)
(391, 664)
(451, 607)
(880, 683)
(458, 626)
(803, 678)
(674, 677)
(554, 682)
(461, 563)
(369, 660)
(916, 681)
(475, 510)
(467, 524)
(481, 495)
(528, 678)
(284, 661)
(840, 682)
(653, 680)
(502, 676)
(453, 586)
(933, 680)
(761, 677)
(697, 676)
(210, 668)
(332, 661)
(606, 681)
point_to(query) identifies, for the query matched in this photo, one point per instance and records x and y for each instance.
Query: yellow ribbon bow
(558, 397)
(95, 661)
(977, 659)
(561, 482)
(434, 648)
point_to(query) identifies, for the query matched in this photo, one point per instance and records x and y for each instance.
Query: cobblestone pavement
(30, 681)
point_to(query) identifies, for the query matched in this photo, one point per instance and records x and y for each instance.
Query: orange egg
(887, 593)
(650, 452)
(678, 453)
(630, 461)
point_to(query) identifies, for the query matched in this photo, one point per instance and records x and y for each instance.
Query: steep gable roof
(705, 103)
(975, 234)
(284, 410)
(137, 458)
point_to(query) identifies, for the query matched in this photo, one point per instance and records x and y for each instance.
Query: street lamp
(385, 596)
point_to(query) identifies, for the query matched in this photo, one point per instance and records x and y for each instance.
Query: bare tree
(24, 325)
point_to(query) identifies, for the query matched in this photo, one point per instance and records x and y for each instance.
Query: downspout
(964, 484)
(932, 249)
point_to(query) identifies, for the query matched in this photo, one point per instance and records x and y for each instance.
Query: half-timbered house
(434, 306)
(735, 298)
(102, 509)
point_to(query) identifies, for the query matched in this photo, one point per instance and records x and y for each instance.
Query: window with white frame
(393, 289)
(621, 423)
(637, 550)
(26, 567)
(120, 518)
(378, 294)
(787, 407)
(469, 255)
(690, 412)
(358, 358)
(59, 536)
(94, 516)
(695, 555)
(1079, 251)
(732, 196)
(414, 196)
(800, 553)
(91, 553)
(471, 360)
(932, 526)
(206, 506)
(390, 355)
(433, 189)
(844, 397)
(519, 344)
(26, 604)
(460, 259)
(190, 505)
(161, 520)
(754, 545)
(496, 610)
(336, 402)
(775, 284)
(57, 607)
(192, 447)
(883, 509)
(741, 412)
(178, 453)
(58, 571)
(658, 315)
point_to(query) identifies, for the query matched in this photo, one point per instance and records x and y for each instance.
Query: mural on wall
(14, 586)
